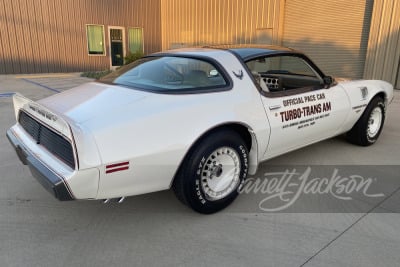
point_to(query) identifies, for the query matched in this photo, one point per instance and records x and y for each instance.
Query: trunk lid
(91, 100)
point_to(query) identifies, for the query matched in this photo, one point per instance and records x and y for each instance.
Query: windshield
(168, 74)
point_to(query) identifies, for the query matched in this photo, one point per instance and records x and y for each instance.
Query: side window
(95, 39)
(279, 73)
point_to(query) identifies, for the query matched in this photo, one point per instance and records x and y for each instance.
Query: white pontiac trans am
(197, 120)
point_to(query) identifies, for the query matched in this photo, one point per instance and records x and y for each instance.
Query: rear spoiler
(41, 114)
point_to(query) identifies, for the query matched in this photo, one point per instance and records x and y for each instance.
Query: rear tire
(211, 174)
(368, 128)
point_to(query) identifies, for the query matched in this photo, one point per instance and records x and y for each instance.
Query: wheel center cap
(217, 170)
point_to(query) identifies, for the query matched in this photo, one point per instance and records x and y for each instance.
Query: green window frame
(95, 39)
(135, 40)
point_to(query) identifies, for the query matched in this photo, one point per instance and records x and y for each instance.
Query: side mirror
(328, 80)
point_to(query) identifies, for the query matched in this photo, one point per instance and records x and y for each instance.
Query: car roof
(242, 51)
(249, 51)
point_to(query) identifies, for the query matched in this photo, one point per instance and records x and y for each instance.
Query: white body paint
(153, 132)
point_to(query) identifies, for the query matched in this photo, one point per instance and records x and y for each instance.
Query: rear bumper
(52, 182)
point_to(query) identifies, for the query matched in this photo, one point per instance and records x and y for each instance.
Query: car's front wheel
(368, 128)
(211, 174)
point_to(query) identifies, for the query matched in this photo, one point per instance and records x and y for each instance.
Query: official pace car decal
(308, 114)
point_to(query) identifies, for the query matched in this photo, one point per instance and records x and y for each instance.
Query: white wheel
(368, 128)
(374, 122)
(220, 174)
(214, 170)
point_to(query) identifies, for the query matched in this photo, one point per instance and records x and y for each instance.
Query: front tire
(211, 174)
(368, 128)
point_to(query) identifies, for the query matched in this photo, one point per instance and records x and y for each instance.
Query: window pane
(135, 40)
(279, 73)
(281, 65)
(296, 65)
(168, 74)
(95, 39)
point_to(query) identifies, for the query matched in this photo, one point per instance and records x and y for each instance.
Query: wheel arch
(382, 95)
(358, 134)
(243, 130)
(381, 89)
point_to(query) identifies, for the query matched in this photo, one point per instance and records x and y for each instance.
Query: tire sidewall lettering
(199, 193)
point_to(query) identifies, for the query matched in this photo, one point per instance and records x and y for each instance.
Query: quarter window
(169, 74)
(95, 39)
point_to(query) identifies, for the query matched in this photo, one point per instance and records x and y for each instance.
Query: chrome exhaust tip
(118, 200)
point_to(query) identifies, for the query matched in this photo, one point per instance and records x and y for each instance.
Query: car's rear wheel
(368, 128)
(211, 174)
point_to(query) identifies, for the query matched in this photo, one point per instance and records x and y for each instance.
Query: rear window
(169, 74)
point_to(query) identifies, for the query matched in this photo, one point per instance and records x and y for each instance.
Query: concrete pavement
(156, 230)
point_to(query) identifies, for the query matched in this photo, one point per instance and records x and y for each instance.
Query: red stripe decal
(117, 169)
(117, 164)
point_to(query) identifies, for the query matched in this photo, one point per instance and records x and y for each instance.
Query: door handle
(274, 107)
